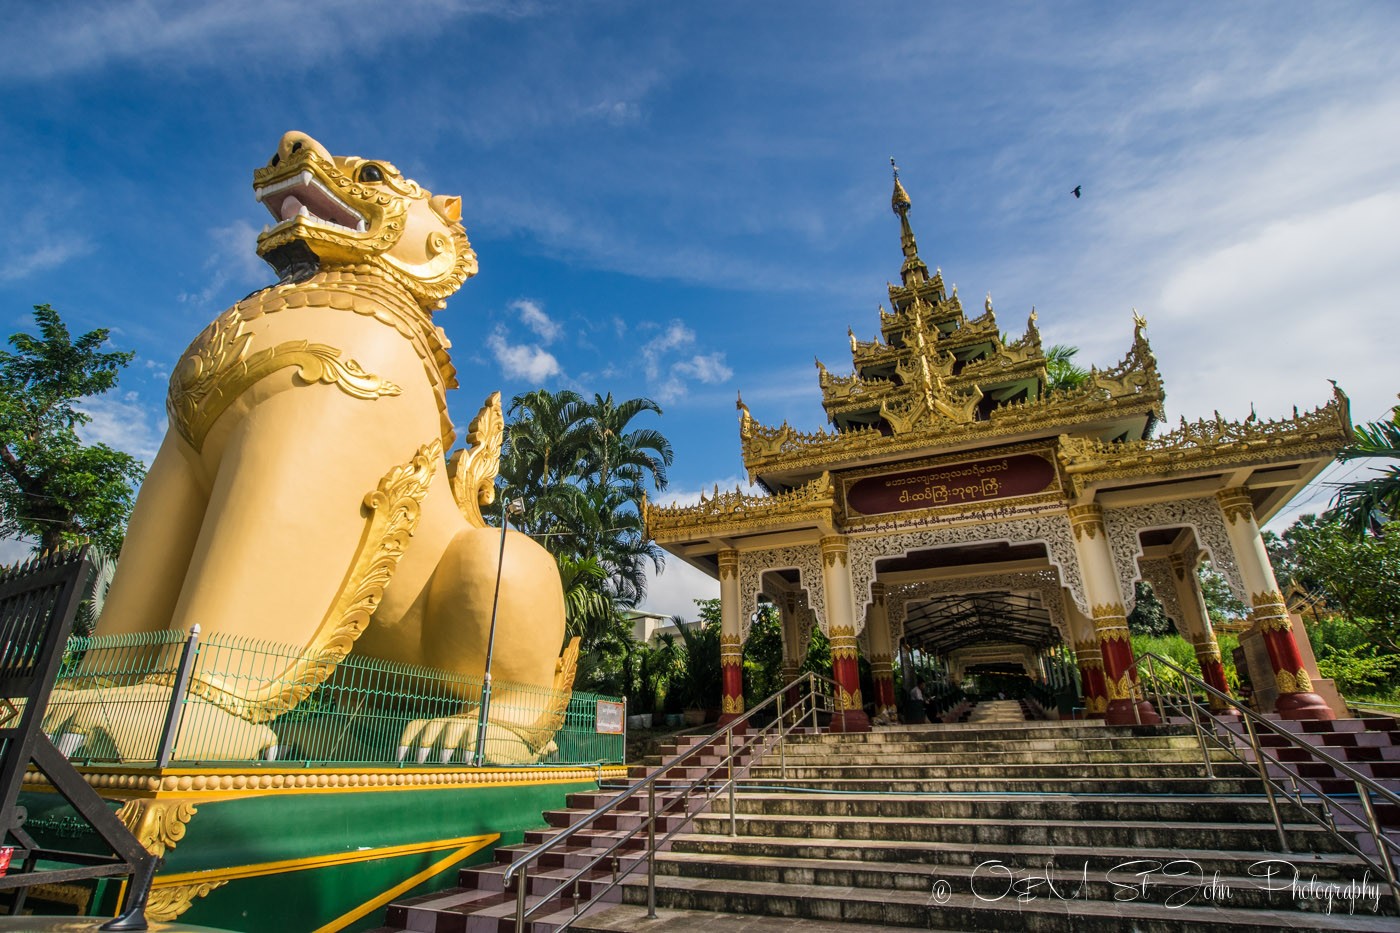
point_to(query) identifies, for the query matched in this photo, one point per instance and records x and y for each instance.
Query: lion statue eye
(370, 174)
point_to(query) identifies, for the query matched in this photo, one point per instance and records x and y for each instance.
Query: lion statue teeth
(301, 494)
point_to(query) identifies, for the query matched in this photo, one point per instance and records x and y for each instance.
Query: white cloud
(709, 369)
(675, 590)
(76, 37)
(234, 261)
(668, 377)
(123, 423)
(40, 240)
(533, 317)
(521, 361)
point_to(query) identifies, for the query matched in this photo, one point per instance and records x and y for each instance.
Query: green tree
(1359, 575)
(1061, 370)
(1364, 504)
(1148, 617)
(763, 655)
(53, 487)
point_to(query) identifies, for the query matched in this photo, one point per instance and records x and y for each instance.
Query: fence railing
(673, 799)
(1343, 805)
(166, 698)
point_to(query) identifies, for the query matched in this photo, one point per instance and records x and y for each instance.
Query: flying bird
(1078, 190)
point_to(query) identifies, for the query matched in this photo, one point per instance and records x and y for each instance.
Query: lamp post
(509, 507)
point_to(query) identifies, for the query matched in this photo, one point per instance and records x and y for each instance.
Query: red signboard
(951, 484)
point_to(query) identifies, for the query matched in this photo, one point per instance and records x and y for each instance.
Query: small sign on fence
(610, 717)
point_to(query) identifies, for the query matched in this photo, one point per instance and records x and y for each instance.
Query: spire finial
(914, 270)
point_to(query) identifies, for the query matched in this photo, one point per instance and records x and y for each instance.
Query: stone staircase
(990, 711)
(994, 825)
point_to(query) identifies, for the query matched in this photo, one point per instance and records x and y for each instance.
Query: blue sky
(687, 200)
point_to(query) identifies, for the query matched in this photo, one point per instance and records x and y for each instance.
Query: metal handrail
(1367, 787)
(783, 724)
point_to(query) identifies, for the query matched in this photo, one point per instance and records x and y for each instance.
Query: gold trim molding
(218, 369)
(168, 902)
(158, 826)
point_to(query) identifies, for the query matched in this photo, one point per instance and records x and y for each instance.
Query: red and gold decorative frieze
(1269, 612)
(1110, 622)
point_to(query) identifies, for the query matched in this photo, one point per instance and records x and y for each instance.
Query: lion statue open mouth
(301, 495)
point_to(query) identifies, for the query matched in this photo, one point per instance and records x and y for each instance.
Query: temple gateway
(961, 506)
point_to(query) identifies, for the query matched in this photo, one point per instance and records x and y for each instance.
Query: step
(1172, 882)
(1095, 856)
(1103, 809)
(951, 910)
(1156, 835)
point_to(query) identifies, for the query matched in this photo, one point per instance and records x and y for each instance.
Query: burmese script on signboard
(951, 484)
(609, 717)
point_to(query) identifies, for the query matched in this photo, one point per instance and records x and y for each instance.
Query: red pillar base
(726, 718)
(1120, 713)
(853, 720)
(1303, 706)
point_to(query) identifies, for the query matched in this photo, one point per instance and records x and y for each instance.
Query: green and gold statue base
(271, 847)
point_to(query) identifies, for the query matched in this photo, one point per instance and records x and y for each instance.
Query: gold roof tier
(1208, 446)
(734, 512)
(930, 411)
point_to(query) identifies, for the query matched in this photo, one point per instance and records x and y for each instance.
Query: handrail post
(733, 826)
(1268, 783)
(1156, 687)
(1382, 843)
(651, 851)
(175, 711)
(521, 883)
(1200, 735)
(782, 732)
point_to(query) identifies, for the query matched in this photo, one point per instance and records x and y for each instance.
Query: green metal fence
(165, 698)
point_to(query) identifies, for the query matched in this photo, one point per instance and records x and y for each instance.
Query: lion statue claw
(302, 495)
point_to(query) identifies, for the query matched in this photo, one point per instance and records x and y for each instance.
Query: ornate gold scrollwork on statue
(157, 826)
(394, 507)
(168, 902)
(218, 369)
(471, 473)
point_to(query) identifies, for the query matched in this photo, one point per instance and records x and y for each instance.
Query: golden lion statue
(301, 495)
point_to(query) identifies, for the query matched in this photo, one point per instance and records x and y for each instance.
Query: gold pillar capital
(1236, 503)
(1086, 519)
(877, 593)
(834, 548)
(728, 563)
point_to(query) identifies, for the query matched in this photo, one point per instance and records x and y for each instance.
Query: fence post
(177, 699)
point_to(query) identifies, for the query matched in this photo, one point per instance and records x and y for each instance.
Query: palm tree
(1060, 369)
(1370, 502)
(613, 452)
(542, 450)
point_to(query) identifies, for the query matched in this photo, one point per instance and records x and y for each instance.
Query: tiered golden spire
(914, 271)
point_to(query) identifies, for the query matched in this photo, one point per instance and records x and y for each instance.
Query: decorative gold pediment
(730, 512)
(1209, 443)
